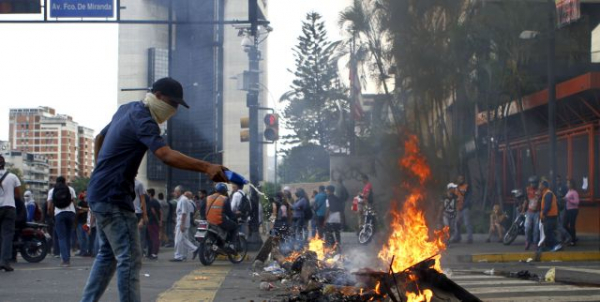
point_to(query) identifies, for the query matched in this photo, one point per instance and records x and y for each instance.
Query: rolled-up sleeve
(148, 133)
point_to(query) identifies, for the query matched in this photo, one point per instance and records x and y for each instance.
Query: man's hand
(182, 228)
(145, 219)
(217, 173)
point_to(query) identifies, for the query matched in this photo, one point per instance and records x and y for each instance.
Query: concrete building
(35, 171)
(85, 152)
(204, 58)
(57, 137)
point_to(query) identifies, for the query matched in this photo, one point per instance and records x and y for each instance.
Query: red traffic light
(271, 120)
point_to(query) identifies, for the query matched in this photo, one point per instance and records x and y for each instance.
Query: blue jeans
(464, 218)
(82, 238)
(119, 251)
(64, 229)
(532, 228)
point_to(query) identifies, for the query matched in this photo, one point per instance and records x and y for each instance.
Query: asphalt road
(165, 281)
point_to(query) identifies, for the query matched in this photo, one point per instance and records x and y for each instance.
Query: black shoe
(7, 268)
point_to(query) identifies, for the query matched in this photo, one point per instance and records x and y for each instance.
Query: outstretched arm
(178, 160)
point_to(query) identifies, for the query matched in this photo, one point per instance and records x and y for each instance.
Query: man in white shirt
(184, 209)
(236, 198)
(64, 217)
(10, 188)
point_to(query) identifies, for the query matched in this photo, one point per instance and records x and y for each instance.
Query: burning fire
(409, 242)
(317, 245)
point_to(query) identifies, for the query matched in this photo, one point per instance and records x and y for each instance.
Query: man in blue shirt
(119, 149)
(320, 207)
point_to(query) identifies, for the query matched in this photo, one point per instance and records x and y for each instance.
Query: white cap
(452, 186)
(286, 188)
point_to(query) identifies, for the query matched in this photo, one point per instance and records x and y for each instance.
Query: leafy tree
(305, 163)
(80, 183)
(317, 101)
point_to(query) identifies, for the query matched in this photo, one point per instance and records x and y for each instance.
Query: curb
(545, 257)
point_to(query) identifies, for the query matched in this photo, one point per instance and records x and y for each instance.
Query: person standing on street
(154, 224)
(365, 198)
(61, 200)
(119, 150)
(320, 207)
(549, 217)
(572, 206)
(300, 207)
(449, 211)
(185, 209)
(334, 218)
(10, 190)
(463, 204)
(139, 203)
(532, 214)
(81, 217)
(164, 208)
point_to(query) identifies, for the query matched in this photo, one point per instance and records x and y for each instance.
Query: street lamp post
(551, 85)
(552, 91)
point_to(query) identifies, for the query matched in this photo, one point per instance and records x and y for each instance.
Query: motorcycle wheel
(206, 254)
(34, 250)
(241, 248)
(511, 235)
(366, 234)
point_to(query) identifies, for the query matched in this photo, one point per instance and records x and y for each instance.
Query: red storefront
(578, 143)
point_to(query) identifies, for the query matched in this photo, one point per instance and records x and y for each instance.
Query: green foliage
(270, 189)
(80, 184)
(305, 163)
(317, 101)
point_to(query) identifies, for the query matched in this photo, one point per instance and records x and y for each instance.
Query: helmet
(451, 186)
(221, 188)
(533, 179)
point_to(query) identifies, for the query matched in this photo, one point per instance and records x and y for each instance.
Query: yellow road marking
(200, 285)
(547, 256)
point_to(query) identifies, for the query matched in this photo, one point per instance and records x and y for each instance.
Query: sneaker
(176, 260)
(6, 268)
(56, 256)
(65, 264)
(153, 257)
(558, 247)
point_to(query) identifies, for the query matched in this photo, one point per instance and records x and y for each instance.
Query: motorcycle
(32, 241)
(518, 226)
(367, 230)
(213, 242)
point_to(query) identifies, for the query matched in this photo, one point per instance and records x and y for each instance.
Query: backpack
(61, 196)
(308, 212)
(245, 208)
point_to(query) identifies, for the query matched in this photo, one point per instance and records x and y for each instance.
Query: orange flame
(409, 242)
(424, 296)
(377, 288)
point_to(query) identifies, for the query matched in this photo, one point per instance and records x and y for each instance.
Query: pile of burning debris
(408, 263)
(319, 274)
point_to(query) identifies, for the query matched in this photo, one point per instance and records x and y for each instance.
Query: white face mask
(161, 111)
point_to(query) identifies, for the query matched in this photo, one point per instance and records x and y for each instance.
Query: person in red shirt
(365, 198)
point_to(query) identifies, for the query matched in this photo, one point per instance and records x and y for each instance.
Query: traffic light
(271, 132)
(245, 132)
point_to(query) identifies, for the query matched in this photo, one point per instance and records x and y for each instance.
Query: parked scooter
(518, 226)
(213, 242)
(32, 242)
(367, 230)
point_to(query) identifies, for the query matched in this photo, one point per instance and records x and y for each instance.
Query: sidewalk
(587, 249)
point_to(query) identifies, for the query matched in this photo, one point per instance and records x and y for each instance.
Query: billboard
(82, 8)
(567, 11)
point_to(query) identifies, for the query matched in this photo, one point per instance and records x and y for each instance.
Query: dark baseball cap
(171, 88)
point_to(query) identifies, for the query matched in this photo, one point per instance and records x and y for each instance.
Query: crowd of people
(550, 215)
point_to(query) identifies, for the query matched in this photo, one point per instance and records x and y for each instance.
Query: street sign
(82, 8)
(567, 11)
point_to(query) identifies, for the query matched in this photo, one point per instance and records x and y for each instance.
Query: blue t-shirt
(128, 136)
(321, 204)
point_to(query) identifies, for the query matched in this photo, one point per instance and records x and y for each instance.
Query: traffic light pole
(255, 159)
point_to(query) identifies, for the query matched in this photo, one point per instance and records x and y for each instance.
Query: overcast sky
(74, 67)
